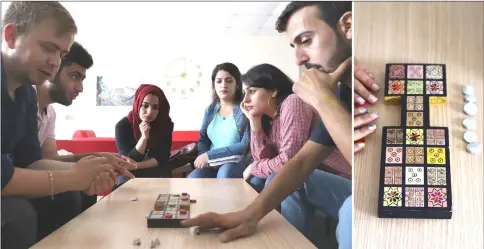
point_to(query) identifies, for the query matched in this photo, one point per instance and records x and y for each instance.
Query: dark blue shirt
(320, 135)
(20, 143)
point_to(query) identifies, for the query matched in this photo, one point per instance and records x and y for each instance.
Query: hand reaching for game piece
(201, 161)
(365, 85)
(362, 126)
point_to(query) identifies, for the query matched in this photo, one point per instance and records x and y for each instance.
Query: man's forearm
(36, 183)
(338, 122)
(69, 158)
(49, 164)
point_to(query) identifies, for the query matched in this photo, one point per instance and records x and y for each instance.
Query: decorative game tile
(396, 87)
(434, 87)
(414, 136)
(414, 175)
(437, 197)
(397, 71)
(414, 103)
(414, 197)
(435, 137)
(415, 72)
(434, 72)
(395, 136)
(415, 87)
(436, 176)
(435, 155)
(392, 197)
(394, 155)
(415, 119)
(414, 155)
(393, 175)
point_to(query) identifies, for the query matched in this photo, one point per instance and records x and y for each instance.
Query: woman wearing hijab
(144, 135)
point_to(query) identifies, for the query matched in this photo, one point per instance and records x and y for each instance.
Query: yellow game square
(435, 155)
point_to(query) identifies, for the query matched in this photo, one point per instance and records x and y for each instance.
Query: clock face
(183, 76)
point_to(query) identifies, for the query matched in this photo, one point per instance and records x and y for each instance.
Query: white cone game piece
(467, 89)
(134, 198)
(157, 242)
(137, 242)
(470, 109)
(469, 123)
(152, 244)
(474, 148)
(470, 99)
(470, 137)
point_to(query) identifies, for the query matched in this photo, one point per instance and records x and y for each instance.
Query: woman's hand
(201, 161)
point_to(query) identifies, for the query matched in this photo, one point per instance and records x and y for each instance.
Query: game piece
(195, 230)
(152, 244)
(193, 201)
(474, 148)
(134, 198)
(157, 242)
(415, 177)
(470, 137)
(470, 99)
(469, 123)
(171, 212)
(470, 109)
(468, 90)
(137, 242)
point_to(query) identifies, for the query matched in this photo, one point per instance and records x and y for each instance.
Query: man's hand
(247, 173)
(103, 183)
(89, 168)
(201, 161)
(238, 224)
(362, 128)
(120, 165)
(365, 85)
(314, 84)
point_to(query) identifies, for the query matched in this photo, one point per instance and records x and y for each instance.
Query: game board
(169, 210)
(415, 177)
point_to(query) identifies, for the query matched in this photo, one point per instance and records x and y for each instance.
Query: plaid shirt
(291, 128)
(337, 164)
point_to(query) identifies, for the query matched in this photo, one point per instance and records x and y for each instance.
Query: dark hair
(329, 12)
(269, 77)
(79, 55)
(235, 72)
(26, 15)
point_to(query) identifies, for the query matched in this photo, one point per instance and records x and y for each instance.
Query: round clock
(183, 76)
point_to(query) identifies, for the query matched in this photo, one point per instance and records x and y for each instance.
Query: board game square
(415, 87)
(414, 136)
(437, 197)
(395, 136)
(435, 155)
(396, 87)
(394, 155)
(435, 137)
(415, 119)
(414, 155)
(434, 72)
(434, 87)
(392, 197)
(397, 71)
(414, 175)
(393, 175)
(415, 71)
(414, 197)
(436, 176)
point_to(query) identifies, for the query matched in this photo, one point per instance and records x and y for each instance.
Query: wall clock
(183, 76)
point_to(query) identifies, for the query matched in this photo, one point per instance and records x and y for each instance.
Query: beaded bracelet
(51, 178)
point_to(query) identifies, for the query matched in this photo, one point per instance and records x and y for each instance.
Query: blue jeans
(328, 192)
(228, 170)
(258, 184)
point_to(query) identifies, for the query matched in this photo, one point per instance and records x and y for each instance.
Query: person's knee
(269, 179)
(257, 183)
(231, 170)
(343, 230)
(19, 223)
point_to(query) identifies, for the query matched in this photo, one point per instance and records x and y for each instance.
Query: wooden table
(448, 33)
(115, 221)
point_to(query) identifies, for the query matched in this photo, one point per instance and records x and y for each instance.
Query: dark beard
(58, 93)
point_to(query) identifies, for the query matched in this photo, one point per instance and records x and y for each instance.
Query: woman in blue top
(224, 137)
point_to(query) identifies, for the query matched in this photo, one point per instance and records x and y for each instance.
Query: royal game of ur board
(415, 164)
(169, 210)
